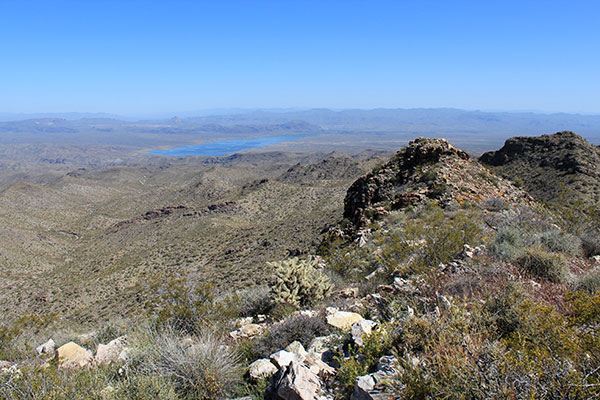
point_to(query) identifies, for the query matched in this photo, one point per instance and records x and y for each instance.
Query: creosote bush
(299, 328)
(298, 282)
(544, 264)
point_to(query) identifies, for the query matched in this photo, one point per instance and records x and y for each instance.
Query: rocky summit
(427, 169)
(551, 167)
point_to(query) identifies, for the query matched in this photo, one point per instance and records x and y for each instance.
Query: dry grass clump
(544, 264)
(202, 367)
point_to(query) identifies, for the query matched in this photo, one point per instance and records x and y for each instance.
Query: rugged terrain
(442, 279)
(88, 244)
(557, 168)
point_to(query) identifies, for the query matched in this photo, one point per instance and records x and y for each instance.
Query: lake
(223, 147)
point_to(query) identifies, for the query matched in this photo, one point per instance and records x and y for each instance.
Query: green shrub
(589, 282)
(362, 360)
(544, 264)
(561, 242)
(509, 242)
(299, 328)
(504, 311)
(298, 282)
(188, 308)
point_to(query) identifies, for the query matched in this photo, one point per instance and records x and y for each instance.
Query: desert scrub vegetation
(298, 282)
(301, 328)
(544, 264)
(356, 361)
(510, 347)
(589, 281)
(411, 241)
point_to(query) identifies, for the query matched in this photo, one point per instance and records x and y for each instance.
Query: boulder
(360, 328)
(318, 366)
(47, 349)
(262, 368)
(343, 319)
(112, 352)
(296, 348)
(283, 358)
(294, 382)
(246, 331)
(71, 355)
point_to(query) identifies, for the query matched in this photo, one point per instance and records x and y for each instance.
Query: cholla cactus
(298, 282)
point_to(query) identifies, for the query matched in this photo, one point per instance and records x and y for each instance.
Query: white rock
(48, 348)
(114, 351)
(372, 386)
(246, 331)
(343, 319)
(360, 329)
(296, 348)
(262, 368)
(296, 382)
(283, 358)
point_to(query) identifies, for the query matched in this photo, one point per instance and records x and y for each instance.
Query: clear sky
(131, 57)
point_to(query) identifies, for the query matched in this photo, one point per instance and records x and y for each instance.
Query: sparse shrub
(299, 328)
(509, 243)
(362, 360)
(189, 308)
(298, 282)
(561, 242)
(505, 310)
(110, 330)
(202, 369)
(544, 264)
(590, 243)
(51, 383)
(494, 204)
(254, 301)
(589, 282)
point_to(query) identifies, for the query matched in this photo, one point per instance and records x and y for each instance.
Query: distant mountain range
(419, 121)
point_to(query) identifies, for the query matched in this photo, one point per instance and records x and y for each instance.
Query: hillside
(426, 277)
(90, 243)
(559, 167)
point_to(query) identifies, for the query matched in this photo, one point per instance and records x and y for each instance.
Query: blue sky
(133, 57)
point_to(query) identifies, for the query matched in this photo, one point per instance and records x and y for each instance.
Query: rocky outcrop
(427, 169)
(550, 165)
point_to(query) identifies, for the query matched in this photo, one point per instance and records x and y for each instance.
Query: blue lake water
(223, 147)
